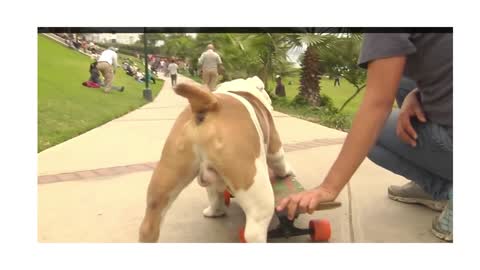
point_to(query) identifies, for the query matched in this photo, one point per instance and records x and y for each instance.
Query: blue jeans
(118, 88)
(429, 164)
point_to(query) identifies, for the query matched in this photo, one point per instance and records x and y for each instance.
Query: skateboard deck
(319, 229)
(283, 187)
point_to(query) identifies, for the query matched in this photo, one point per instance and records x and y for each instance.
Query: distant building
(122, 38)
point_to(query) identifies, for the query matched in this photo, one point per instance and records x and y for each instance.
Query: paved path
(92, 187)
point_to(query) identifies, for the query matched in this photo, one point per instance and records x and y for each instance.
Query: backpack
(91, 84)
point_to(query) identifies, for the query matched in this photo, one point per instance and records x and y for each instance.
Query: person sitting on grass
(95, 78)
(130, 70)
(125, 66)
(95, 74)
(139, 76)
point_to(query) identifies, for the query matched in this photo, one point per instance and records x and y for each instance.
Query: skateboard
(318, 229)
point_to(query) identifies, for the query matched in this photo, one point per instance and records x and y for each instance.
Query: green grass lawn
(66, 108)
(338, 94)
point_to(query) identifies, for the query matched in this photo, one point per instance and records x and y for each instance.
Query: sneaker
(442, 226)
(413, 193)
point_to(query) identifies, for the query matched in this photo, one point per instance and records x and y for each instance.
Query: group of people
(133, 70)
(106, 65)
(81, 44)
(210, 66)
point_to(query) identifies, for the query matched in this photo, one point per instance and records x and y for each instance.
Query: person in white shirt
(107, 64)
(172, 70)
(210, 62)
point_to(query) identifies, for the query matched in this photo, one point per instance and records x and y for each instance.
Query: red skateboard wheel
(241, 235)
(320, 229)
(226, 197)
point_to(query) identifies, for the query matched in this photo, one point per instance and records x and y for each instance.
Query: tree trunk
(310, 77)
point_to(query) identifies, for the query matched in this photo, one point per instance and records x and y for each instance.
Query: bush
(299, 101)
(326, 115)
(326, 101)
(278, 101)
(333, 119)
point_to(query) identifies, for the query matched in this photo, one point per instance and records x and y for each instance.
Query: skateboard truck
(286, 228)
(318, 229)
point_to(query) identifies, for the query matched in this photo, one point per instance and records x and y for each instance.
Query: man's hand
(306, 201)
(411, 107)
(221, 70)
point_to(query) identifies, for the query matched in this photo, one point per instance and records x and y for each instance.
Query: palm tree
(311, 70)
(261, 54)
(310, 77)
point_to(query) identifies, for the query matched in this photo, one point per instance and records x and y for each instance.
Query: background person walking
(210, 62)
(172, 70)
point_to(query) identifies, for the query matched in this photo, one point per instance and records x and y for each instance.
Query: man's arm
(114, 61)
(383, 77)
(220, 67)
(200, 60)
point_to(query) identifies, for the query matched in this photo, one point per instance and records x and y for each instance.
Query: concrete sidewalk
(92, 188)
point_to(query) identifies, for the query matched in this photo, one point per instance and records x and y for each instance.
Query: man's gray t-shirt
(209, 60)
(429, 63)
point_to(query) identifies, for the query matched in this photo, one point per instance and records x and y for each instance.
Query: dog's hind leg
(276, 156)
(217, 202)
(165, 185)
(258, 204)
(177, 167)
(214, 185)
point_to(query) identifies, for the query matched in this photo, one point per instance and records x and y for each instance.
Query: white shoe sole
(442, 236)
(434, 205)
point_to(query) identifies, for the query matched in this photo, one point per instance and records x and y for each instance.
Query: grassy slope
(65, 107)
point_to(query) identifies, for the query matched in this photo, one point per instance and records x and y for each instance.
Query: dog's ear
(201, 100)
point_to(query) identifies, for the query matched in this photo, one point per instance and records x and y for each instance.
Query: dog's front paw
(287, 172)
(210, 212)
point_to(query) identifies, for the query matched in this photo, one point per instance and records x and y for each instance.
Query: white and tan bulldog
(227, 139)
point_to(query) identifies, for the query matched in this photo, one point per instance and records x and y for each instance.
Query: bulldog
(228, 140)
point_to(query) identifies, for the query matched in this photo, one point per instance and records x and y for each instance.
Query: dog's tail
(201, 100)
